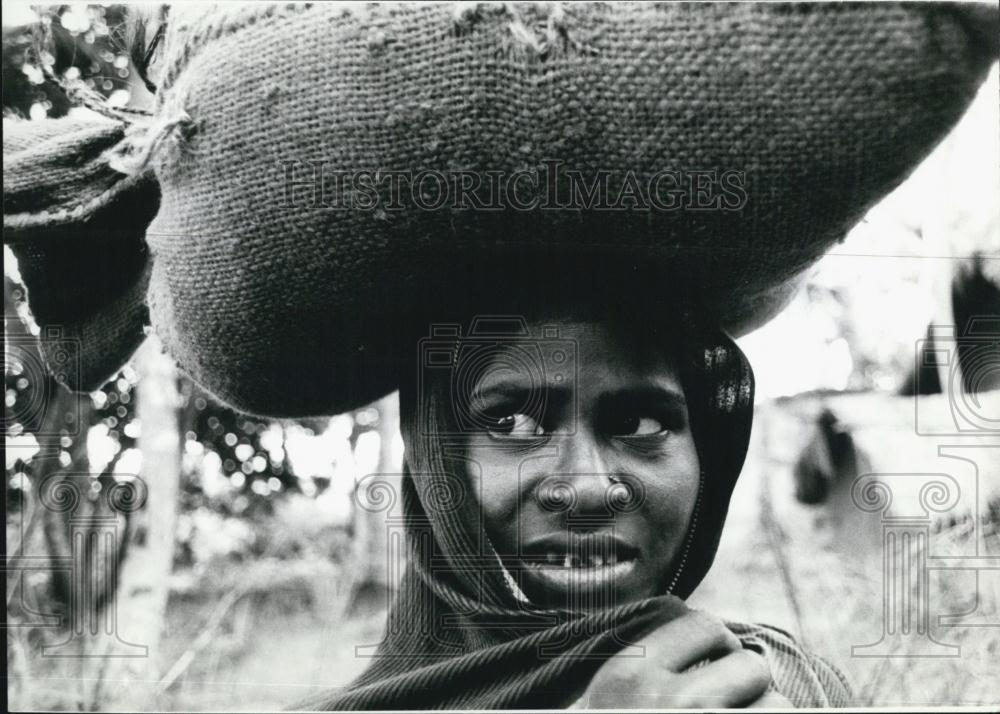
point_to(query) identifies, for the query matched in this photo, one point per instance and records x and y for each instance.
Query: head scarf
(460, 634)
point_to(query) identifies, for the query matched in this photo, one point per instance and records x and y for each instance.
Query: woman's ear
(77, 228)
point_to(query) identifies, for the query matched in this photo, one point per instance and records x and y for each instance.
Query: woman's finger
(737, 679)
(650, 679)
(688, 640)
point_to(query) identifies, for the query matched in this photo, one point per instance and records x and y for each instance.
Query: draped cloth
(460, 634)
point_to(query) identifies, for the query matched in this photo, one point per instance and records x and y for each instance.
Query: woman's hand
(666, 677)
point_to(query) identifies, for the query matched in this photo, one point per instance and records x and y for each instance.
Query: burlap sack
(76, 227)
(281, 304)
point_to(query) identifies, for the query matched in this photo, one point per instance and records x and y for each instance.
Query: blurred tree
(145, 575)
(371, 526)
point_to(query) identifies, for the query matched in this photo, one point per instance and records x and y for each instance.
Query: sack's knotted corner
(76, 224)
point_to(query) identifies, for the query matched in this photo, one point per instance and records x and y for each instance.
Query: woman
(566, 483)
(278, 304)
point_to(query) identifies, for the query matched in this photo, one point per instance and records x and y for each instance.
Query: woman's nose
(581, 453)
(581, 478)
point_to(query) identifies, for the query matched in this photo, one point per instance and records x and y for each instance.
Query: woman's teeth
(572, 572)
(569, 560)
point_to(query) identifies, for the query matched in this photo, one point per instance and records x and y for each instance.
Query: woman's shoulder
(804, 678)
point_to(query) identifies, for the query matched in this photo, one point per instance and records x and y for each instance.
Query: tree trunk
(129, 682)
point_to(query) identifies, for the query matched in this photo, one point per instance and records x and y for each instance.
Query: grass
(817, 571)
(813, 571)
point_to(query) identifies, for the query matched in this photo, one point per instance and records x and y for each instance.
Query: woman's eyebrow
(504, 391)
(647, 394)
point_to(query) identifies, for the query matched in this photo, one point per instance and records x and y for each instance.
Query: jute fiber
(258, 289)
(77, 229)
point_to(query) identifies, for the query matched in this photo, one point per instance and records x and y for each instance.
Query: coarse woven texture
(77, 227)
(459, 636)
(820, 108)
(824, 107)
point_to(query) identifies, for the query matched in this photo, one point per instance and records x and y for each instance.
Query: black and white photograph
(393, 356)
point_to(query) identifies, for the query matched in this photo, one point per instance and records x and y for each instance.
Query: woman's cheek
(671, 489)
(477, 474)
(493, 482)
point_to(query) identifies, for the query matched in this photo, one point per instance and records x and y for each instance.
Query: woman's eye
(515, 426)
(639, 426)
(648, 426)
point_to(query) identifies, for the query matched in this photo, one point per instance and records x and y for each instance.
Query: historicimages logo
(549, 186)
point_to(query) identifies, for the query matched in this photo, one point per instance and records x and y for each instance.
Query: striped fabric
(805, 679)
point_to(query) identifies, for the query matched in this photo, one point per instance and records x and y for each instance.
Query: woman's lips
(580, 562)
(582, 577)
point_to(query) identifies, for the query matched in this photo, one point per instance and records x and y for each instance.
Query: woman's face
(586, 469)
